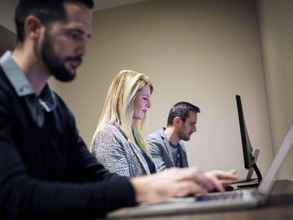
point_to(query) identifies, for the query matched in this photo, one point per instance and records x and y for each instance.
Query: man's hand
(220, 178)
(173, 182)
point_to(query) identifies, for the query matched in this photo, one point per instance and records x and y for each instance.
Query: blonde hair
(118, 106)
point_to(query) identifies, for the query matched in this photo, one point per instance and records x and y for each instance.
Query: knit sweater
(47, 171)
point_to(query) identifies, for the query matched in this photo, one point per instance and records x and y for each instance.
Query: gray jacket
(117, 154)
(160, 150)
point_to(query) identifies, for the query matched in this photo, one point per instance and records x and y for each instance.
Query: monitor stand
(249, 181)
(254, 168)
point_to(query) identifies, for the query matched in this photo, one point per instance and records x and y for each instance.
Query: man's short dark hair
(181, 109)
(46, 11)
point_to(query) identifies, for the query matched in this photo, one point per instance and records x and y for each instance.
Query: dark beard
(54, 64)
(183, 137)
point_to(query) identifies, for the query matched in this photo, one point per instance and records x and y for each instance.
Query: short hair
(181, 109)
(46, 11)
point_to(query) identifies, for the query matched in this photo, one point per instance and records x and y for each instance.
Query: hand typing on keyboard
(226, 188)
(221, 179)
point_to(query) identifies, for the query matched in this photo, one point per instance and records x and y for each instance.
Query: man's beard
(55, 65)
(183, 136)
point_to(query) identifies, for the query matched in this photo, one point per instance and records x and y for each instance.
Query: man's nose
(81, 50)
(148, 104)
(82, 47)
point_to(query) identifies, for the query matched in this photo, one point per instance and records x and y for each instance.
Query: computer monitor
(248, 153)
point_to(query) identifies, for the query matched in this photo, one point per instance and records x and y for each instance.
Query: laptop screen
(266, 185)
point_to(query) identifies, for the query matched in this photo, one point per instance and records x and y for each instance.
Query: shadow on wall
(7, 40)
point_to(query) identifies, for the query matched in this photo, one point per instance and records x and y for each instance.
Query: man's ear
(33, 27)
(177, 121)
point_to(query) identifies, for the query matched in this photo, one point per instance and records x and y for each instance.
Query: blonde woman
(117, 142)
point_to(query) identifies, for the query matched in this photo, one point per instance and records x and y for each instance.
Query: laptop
(245, 198)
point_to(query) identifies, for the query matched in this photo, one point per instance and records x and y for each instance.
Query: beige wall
(7, 14)
(277, 32)
(205, 52)
(8, 39)
(199, 51)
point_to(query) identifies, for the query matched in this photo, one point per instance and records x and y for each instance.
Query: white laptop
(247, 198)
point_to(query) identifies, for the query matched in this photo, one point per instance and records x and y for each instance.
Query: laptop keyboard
(220, 196)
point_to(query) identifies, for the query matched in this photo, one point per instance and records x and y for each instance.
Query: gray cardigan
(160, 150)
(117, 154)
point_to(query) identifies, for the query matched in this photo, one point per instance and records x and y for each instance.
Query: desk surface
(280, 206)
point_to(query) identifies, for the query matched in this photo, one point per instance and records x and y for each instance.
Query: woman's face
(142, 102)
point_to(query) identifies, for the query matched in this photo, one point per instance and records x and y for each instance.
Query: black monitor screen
(249, 159)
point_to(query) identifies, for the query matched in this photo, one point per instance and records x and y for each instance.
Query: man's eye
(75, 35)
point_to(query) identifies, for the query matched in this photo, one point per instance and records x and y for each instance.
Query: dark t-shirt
(176, 153)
